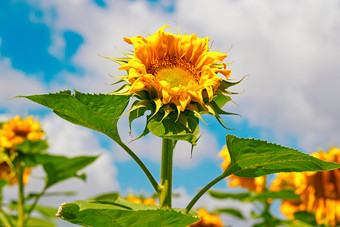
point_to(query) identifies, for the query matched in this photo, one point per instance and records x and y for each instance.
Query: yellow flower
(256, 184)
(178, 72)
(16, 131)
(140, 200)
(319, 191)
(290, 206)
(7, 173)
(207, 220)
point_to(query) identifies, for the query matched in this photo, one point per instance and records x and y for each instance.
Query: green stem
(34, 204)
(165, 193)
(141, 165)
(204, 190)
(4, 219)
(21, 200)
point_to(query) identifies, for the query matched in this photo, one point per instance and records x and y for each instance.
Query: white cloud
(14, 82)
(71, 140)
(290, 49)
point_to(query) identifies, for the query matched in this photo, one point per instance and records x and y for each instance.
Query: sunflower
(8, 173)
(141, 200)
(319, 191)
(207, 219)
(289, 181)
(175, 74)
(16, 131)
(256, 184)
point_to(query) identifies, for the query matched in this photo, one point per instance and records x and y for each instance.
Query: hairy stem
(204, 190)
(165, 193)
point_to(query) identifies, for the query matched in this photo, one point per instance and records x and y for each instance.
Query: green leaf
(305, 217)
(48, 194)
(99, 112)
(137, 110)
(251, 197)
(221, 100)
(121, 213)
(113, 196)
(60, 168)
(244, 197)
(230, 211)
(254, 158)
(32, 146)
(3, 183)
(169, 128)
(283, 194)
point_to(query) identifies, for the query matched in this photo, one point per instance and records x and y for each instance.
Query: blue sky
(288, 50)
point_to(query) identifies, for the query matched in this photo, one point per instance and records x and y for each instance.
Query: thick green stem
(204, 190)
(21, 199)
(141, 165)
(165, 193)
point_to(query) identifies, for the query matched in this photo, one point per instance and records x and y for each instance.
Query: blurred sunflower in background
(207, 219)
(319, 191)
(12, 133)
(141, 200)
(255, 184)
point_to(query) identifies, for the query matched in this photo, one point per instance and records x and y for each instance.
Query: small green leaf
(3, 183)
(230, 211)
(137, 111)
(32, 146)
(121, 213)
(305, 217)
(244, 197)
(169, 128)
(99, 112)
(254, 158)
(221, 100)
(107, 197)
(49, 194)
(251, 197)
(59, 168)
(283, 194)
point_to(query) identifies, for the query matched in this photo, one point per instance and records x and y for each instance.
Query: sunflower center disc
(174, 76)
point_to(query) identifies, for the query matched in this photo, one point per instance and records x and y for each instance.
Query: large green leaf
(60, 168)
(99, 112)
(121, 213)
(185, 128)
(254, 158)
